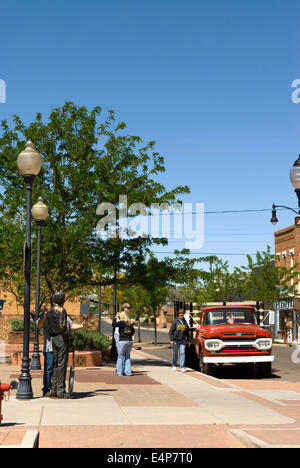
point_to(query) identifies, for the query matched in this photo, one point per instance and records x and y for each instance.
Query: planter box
(82, 358)
(86, 358)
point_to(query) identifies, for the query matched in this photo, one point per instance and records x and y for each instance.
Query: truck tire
(265, 369)
(204, 367)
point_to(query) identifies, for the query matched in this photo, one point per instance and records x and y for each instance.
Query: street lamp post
(29, 164)
(40, 214)
(295, 179)
(99, 307)
(113, 351)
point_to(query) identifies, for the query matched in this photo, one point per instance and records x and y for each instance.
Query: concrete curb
(253, 442)
(30, 440)
(248, 440)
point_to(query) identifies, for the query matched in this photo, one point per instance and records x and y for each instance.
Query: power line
(213, 212)
(206, 253)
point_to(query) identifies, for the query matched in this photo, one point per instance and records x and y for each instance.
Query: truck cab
(231, 335)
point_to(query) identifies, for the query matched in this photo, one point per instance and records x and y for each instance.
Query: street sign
(1, 304)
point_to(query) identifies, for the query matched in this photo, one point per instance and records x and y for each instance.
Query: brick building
(11, 307)
(287, 251)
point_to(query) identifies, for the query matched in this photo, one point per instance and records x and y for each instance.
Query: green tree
(87, 159)
(265, 281)
(217, 284)
(139, 300)
(159, 277)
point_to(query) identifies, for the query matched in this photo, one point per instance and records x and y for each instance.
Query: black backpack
(57, 321)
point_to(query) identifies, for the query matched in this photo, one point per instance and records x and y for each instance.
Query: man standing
(48, 350)
(48, 354)
(57, 325)
(180, 337)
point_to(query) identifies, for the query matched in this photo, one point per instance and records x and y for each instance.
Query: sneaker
(174, 368)
(47, 394)
(182, 369)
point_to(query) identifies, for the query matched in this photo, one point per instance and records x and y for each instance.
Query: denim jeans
(178, 345)
(116, 337)
(48, 369)
(123, 361)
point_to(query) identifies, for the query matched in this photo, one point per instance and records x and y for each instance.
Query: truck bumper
(237, 359)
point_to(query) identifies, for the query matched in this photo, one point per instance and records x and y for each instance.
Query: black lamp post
(295, 179)
(40, 214)
(99, 307)
(113, 351)
(29, 164)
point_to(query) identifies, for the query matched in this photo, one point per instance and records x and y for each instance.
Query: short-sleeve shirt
(48, 348)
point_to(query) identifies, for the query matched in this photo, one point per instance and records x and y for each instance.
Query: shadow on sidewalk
(97, 392)
(150, 362)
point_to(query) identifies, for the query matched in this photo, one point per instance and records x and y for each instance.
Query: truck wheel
(265, 369)
(204, 367)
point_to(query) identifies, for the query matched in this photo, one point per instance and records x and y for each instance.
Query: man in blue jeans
(48, 350)
(48, 355)
(179, 334)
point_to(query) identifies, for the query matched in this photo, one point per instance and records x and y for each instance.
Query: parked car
(231, 335)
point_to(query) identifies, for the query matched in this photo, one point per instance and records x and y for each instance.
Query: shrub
(89, 339)
(17, 324)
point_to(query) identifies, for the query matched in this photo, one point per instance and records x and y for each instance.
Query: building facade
(287, 251)
(12, 307)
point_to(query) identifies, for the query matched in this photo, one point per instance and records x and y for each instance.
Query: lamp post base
(25, 390)
(35, 360)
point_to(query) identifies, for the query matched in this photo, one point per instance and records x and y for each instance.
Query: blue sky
(209, 81)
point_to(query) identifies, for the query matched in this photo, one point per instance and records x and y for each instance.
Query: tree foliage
(260, 280)
(87, 159)
(265, 281)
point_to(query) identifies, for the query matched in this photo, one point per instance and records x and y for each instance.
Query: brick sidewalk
(155, 408)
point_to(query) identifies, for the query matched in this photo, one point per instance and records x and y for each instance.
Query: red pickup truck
(231, 335)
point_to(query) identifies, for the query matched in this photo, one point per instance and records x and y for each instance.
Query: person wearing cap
(126, 332)
(179, 337)
(48, 350)
(57, 325)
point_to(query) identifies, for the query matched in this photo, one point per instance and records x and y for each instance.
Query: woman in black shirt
(126, 332)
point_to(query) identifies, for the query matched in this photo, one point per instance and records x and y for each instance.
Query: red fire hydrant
(6, 388)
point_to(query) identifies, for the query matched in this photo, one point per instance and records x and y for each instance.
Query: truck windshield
(230, 317)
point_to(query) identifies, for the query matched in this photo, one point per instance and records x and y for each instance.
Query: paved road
(146, 335)
(283, 368)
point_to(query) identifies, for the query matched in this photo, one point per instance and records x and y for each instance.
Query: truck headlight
(213, 345)
(263, 344)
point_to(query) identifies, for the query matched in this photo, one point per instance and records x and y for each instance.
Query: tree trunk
(139, 330)
(155, 330)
